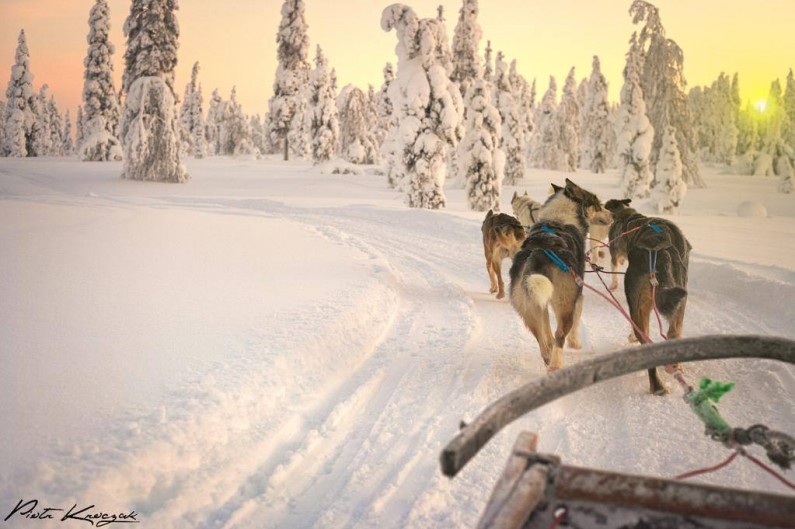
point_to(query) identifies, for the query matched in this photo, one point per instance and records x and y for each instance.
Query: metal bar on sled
(499, 414)
(533, 487)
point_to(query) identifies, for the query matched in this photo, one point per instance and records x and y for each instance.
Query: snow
(751, 209)
(272, 346)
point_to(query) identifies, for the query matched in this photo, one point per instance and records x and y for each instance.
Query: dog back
(545, 241)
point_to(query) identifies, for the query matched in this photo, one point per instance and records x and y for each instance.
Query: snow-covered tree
(290, 99)
(596, 122)
(466, 40)
(428, 106)
(101, 114)
(212, 125)
(525, 99)
(191, 117)
(513, 127)
(667, 195)
(67, 146)
(357, 144)
(235, 133)
(42, 133)
(481, 159)
(56, 129)
(488, 64)
(383, 108)
(634, 132)
(19, 116)
(79, 131)
(323, 116)
(149, 126)
(547, 153)
(2, 126)
(567, 122)
(788, 104)
(663, 83)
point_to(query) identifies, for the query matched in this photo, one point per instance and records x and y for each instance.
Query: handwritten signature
(30, 510)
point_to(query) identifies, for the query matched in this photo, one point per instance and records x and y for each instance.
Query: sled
(537, 491)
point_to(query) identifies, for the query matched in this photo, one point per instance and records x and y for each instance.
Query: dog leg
(496, 264)
(641, 316)
(565, 322)
(675, 326)
(614, 278)
(492, 278)
(573, 339)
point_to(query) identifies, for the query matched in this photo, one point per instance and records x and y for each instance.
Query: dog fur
(502, 237)
(673, 251)
(537, 282)
(525, 208)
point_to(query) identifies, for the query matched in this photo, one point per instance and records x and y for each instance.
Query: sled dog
(525, 208)
(502, 237)
(660, 245)
(541, 274)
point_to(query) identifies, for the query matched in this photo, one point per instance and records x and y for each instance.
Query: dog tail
(540, 289)
(669, 299)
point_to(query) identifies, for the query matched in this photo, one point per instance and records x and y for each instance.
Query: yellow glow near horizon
(235, 43)
(761, 106)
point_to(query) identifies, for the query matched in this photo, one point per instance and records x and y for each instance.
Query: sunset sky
(234, 41)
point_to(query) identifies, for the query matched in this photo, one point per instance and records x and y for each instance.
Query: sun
(761, 105)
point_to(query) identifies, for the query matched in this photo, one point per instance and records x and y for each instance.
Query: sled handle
(502, 412)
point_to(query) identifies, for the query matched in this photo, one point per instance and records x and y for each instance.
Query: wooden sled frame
(533, 486)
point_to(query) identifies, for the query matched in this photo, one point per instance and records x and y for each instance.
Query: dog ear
(626, 201)
(525, 192)
(515, 194)
(573, 190)
(555, 188)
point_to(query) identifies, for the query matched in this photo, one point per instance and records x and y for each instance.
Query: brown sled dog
(502, 237)
(541, 274)
(655, 249)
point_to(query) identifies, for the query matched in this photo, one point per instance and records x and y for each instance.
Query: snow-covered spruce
(357, 144)
(663, 82)
(235, 132)
(513, 126)
(568, 125)
(101, 114)
(149, 127)
(714, 116)
(68, 146)
(2, 126)
(287, 106)
(545, 153)
(42, 137)
(525, 99)
(634, 133)
(596, 123)
(56, 128)
(212, 125)
(428, 106)
(323, 117)
(466, 40)
(670, 188)
(19, 116)
(481, 159)
(191, 117)
(79, 135)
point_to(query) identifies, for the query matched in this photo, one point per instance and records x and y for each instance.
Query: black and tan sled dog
(541, 274)
(502, 237)
(656, 250)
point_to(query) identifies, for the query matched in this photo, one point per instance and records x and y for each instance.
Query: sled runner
(537, 491)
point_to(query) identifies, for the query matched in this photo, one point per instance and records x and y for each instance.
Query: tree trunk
(286, 149)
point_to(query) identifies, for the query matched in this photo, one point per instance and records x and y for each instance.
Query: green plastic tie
(699, 400)
(713, 389)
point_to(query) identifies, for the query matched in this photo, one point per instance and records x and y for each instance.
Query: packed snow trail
(330, 407)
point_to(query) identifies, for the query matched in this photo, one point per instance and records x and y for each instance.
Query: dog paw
(613, 286)
(659, 392)
(492, 290)
(552, 369)
(500, 295)
(632, 338)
